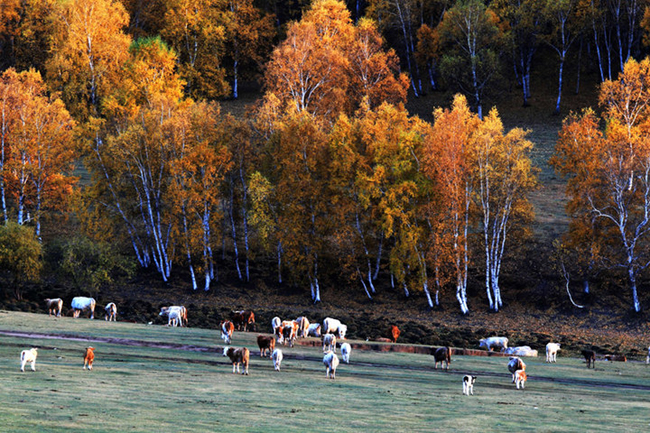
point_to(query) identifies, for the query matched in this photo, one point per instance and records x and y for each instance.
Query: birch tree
(504, 176)
(447, 162)
(609, 171)
(469, 35)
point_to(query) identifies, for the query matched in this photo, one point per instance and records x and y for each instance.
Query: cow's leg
(34, 365)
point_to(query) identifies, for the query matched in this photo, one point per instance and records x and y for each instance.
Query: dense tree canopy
(327, 173)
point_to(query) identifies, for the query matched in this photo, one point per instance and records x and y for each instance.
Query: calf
(266, 344)
(89, 358)
(111, 312)
(468, 384)
(54, 306)
(329, 343)
(346, 351)
(331, 361)
(238, 355)
(441, 355)
(590, 358)
(393, 333)
(551, 352)
(276, 356)
(514, 365)
(520, 378)
(28, 356)
(227, 328)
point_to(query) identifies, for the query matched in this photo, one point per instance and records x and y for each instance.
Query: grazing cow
(515, 364)
(393, 333)
(612, 358)
(520, 378)
(346, 351)
(242, 319)
(227, 328)
(89, 358)
(303, 327)
(266, 344)
(331, 361)
(491, 342)
(176, 315)
(551, 352)
(54, 306)
(329, 343)
(111, 312)
(314, 330)
(441, 355)
(590, 358)
(28, 356)
(81, 303)
(334, 326)
(520, 351)
(277, 333)
(468, 384)
(276, 356)
(238, 355)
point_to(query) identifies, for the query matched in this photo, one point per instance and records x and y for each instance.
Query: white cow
(334, 326)
(275, 323)
(492, 342)
(647, 358)
(314, 330)
(176, 315)
(551, 352)
(346, 350)
(329, 343)
(520, 351)
(111, 312)
(277, 359)
(81, 303)
(28, 356)
(331, 361)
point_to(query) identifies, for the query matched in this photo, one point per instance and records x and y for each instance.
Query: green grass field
(190, 387)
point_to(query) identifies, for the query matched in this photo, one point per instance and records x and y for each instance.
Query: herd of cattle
(286, 332)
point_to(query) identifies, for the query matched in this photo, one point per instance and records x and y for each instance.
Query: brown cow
(242, 319)
(590, 358)
(303, 326)
(89, 358)
(54, 306)
(393, 333)
(266, 344)
(238, 355)
(441, 355)
(227, 328)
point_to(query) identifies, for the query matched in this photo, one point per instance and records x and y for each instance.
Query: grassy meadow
(189, 387)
